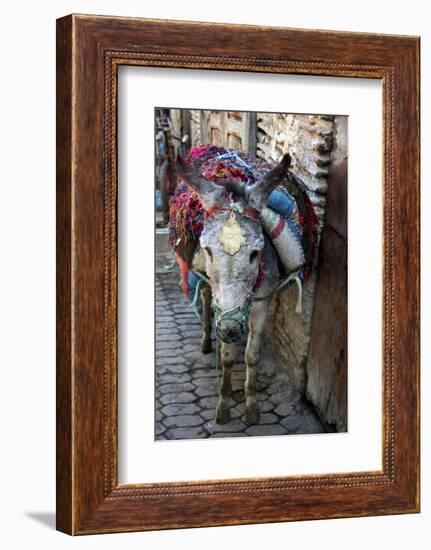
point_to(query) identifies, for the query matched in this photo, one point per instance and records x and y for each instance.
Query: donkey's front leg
(227, 355)
(205, 292)
(257, 320)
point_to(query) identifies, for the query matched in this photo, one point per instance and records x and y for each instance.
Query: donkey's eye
(208, 251)
(253, 255)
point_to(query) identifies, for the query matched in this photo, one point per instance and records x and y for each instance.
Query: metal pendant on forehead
(231, 236)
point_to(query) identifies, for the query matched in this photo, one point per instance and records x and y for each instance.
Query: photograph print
(251, 273)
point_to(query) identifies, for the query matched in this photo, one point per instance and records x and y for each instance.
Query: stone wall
(309, 140)
(313, 344)
(195, 123)
(326, 366)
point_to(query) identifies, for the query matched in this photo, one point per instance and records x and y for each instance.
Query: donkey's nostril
(231, 324)
(230, 330)
(229, 336)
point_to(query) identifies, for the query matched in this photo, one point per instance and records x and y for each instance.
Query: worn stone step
(269, 429)
(177, 397)
(196, 432)
(180, 408)
(182, 421)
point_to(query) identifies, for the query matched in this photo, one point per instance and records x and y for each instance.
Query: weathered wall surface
(314, 343)
(309, 140)
(327, 357)
(229, 129)
(195, 123)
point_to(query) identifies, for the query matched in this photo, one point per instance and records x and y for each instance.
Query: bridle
(241, 321)
(237, 321)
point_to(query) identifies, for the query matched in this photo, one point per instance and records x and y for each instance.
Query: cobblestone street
(187, 380)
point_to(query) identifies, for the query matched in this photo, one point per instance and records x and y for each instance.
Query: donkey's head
(232, 238)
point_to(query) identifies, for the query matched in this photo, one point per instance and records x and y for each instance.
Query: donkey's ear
(209, 192)
(260, 191)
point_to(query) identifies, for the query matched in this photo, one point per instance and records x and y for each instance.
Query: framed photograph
(237, 274)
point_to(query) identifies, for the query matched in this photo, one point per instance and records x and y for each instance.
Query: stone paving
(187, 380)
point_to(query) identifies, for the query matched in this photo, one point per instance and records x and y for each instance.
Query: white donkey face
(232, 275)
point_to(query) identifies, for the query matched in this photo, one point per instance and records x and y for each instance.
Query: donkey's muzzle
(229, 330)
(231, 324)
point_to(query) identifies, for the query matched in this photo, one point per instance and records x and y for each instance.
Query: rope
(296, 278)
(194, 303)
(170, 266)
(218, 363)
(292, 277)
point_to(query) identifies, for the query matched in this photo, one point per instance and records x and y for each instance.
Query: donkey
(233, 251)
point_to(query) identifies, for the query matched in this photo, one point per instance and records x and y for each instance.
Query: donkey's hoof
(252, 414)
(206, 346)
(222, 412)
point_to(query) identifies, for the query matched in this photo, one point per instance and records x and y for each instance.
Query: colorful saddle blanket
(289, 213)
